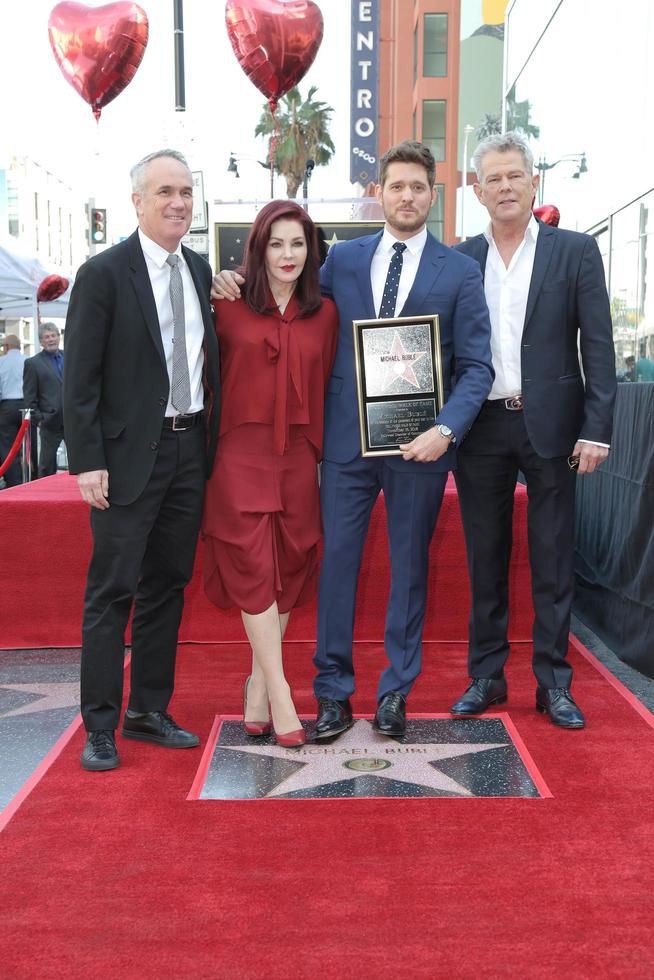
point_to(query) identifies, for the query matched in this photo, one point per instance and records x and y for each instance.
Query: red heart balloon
(548, 213)
(98, 48)
(275, 41)
(50, 288)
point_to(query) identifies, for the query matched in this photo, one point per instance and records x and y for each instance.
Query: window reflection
(632, 308)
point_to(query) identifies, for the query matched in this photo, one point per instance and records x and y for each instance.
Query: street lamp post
(543, 166)
(464, 177)
(308, 170)
(236, 158)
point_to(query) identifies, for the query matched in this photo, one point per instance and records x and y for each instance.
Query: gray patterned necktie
(389, 299)
(180, 389)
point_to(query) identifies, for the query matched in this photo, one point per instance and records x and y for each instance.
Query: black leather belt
(180, 423)
(512, 404)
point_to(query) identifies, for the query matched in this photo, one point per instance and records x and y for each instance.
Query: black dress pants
(496, 448)
(50, 440)
(10, 422)
(143, 554)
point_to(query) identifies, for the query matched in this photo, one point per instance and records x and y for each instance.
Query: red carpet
(47, 518)
(117, 875)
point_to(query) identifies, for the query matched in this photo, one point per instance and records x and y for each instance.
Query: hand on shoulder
(225, 285)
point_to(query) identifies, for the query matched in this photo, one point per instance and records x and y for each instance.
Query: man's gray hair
(137, 173)
(502, 143)
(51, 327)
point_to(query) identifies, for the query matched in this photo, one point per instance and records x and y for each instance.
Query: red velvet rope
(13, 452)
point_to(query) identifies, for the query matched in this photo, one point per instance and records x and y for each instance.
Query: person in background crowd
(547, 415)
(42, 388)
(11, 403)
(141, 416)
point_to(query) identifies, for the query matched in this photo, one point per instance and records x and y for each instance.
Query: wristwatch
(446, 432)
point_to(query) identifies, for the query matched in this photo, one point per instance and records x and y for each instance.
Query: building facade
(583, 80)
(418, 90)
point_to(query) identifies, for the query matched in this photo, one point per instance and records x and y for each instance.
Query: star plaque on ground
(436, 757)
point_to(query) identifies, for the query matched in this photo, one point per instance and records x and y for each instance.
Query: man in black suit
(547, 415)
(141, 410)
(42, 393)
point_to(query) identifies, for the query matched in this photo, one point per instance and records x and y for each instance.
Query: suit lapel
(368, 249)
(432, 263)
(478, 250)
(143, 288)
(544, 249)
(49, 364)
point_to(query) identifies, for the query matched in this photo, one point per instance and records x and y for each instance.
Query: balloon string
(274, 139)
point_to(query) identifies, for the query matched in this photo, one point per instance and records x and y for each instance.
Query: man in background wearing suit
(548, 304)
(141, 416)
(402, 270)
(42, 387)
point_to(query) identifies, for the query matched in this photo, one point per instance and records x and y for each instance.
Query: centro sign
(364, 91)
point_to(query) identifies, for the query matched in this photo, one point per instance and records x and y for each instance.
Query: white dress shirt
(506, 291)
(11, 374)
(410, 262)
(159, 272)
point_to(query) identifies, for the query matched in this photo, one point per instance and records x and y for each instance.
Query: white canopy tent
(20, 276)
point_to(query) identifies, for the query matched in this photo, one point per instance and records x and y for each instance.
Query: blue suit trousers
(348, 492)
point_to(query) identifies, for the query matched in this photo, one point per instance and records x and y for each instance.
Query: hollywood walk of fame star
(334, 240)
(63, 694)
(363, 752)
(400, 363)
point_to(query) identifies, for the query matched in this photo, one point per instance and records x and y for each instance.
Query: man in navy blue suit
(402, 270)
(548, 305)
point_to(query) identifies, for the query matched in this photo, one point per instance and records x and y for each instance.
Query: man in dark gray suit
(42, 393)
(549, 415)
(141, 413)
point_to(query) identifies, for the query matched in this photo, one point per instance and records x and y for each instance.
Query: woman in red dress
(262, 516)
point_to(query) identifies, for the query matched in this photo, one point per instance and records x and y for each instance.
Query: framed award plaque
(399, 380)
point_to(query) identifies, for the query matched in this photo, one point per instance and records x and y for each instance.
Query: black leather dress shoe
(480, 694)
(334, 717)
(390, 718)
(100, 751)
(157, 727)
(558, 704)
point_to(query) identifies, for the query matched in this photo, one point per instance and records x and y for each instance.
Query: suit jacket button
(154, 445)
(162, 401)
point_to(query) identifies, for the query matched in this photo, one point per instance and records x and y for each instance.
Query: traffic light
(98, 226)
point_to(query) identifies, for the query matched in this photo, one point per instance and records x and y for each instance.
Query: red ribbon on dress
(283, 350)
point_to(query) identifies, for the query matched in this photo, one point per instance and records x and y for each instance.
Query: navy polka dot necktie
(389, 299)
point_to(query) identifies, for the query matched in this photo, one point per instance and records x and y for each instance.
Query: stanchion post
(26, 464)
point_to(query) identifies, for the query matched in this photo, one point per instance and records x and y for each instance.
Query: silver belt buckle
(179, 428)
(513, 404)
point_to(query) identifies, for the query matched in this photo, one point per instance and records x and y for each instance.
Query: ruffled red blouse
(274, 368)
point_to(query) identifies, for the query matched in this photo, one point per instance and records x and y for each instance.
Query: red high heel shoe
(291, 740)
(254, 728)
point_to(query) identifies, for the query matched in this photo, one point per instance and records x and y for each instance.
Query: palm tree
(490, 125)
(300, 132)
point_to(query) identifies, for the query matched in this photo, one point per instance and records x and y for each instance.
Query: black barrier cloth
(614, 542)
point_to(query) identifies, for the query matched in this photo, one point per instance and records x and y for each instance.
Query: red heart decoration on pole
(549, 214)
(98, 49)
(275, 41)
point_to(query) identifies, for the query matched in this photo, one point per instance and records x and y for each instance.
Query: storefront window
(632, 307)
